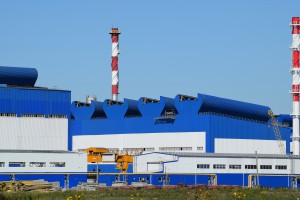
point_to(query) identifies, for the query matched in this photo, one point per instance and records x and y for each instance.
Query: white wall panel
(247, 146)
(144, 161)
(154, 167)
(74, 162)
(142, 140)
(181, 164)
(32, 133)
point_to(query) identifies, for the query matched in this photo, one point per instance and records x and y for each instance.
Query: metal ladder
(277, 132)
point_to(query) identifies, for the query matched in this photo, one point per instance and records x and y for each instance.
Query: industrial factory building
(198, 139)
(34, 130)
(32, 118)
(203, 124)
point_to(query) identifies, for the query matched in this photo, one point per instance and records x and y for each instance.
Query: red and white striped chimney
(296, 81)
(114, 62)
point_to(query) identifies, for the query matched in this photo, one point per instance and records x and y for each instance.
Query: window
(266, 167)
(33, 115)
(133, 116)
(57, 116)
(37, 164)
(235, 166)
(138, 149)
(175, 148)
(160, 179)
(8, 115)
(250, 166)
(149, 149)
(280, 167)
(2, 164)
(16, 164)
(113, 150)
(199, 148)
(203, 166)
(219, 166)
(57, 164)
(186, 148)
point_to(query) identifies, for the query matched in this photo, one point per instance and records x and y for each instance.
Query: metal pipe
(257, 177)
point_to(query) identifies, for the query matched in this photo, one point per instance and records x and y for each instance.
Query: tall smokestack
(114, 62)
(296, 81)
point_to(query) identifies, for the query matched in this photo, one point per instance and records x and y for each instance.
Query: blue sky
(234, 49)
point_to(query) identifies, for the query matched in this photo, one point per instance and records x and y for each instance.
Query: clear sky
(234, 49)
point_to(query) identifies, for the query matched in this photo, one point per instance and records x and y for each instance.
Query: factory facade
(194, 140)
(204, 124)
(199, 139)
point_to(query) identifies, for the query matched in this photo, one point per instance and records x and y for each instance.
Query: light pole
(97, 176)
(257, 177)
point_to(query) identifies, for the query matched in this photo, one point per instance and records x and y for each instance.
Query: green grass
(184, 193)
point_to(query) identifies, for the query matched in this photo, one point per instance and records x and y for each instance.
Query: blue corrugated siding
(34, 101)
(107, 168)
(274, 181)
(4, 177)
(107, 179)
(224, 127)
(190, 179)
(159, 179)
(187, 120)
(75, 179)
(233, 179)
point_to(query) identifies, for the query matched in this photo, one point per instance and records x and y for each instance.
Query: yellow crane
(94, 155)
(123, 162)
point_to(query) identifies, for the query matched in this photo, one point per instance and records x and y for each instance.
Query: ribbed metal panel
(34, 101)
(285, 120)
(74, 162)
(234, 108)
(18, 76)
(132, 108)
(33, 133)
(247, 146)
(217, 117)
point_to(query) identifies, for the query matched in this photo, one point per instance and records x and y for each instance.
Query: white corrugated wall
(247, 146)
(142, 140)
(33, 133)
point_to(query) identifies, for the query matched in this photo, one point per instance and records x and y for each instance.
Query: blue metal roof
(87, 111)
(204, 104)
(285, 119)
(217, 105)
(18, 76)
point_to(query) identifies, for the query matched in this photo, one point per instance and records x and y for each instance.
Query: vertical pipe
(114, 62)
(257, 177)
(295, 84)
